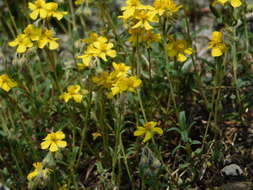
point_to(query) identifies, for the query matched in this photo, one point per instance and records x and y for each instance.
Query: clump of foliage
(105, 95)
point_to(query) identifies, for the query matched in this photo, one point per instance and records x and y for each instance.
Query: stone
(232, 170)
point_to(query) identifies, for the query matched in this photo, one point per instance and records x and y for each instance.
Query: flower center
(53, 138)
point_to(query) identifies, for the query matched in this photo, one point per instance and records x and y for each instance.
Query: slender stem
(235, 66)
(246, 30)
(11, 16)
(141, 105)
(150, 64)
(72, 14)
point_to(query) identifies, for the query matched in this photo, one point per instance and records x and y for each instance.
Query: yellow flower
(32, 32)
(47, 37)
(72, 92)
(101, 48)
(120, 70)
(130, 8)
(125, 84)
(6, 83)
(217, 45)
(136, 36)
(96, 135)
(150, 37)
(104, 80)
(148, 130)
(234, 3)
(178, 49)
(54, 141)
(38, 171)
(139, 36)
(79, 2)
(167, 7)
(23, 42)
(86, 61)
(38, 8)
(143, 19)
(52, 11)
(92, 38)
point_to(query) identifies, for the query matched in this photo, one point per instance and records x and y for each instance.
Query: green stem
(72, 14)
(141, 105)
(235, 66)
(11, 16)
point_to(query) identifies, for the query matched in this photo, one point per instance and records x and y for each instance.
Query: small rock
(232, 170)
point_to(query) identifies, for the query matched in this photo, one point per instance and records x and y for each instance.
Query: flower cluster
(38, 172)
(234, 3)
(53, 141)
(33, 36)
(43, 10)
(6, 83)
(166, 7)
(148, 130)
(38, 36)
(148, 37)
(118, 81)
(73, 92)
(138, 19)
(97, 47)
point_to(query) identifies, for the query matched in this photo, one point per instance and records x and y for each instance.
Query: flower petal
(53, 147)
(158, 130)
(45, 144)
(60, 135)
(61, 144)
(148, 136)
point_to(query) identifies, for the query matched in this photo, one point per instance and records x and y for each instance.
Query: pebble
(232, 170)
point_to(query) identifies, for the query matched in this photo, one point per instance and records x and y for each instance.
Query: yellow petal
(103, 56)
(115, 90)
(31, 6)
(53, 147)
(140, 131)
(45, 144)
(181, 57)
(34, 14)
(216, 52)
(158, 130)
(60, 135)
(41, 43)
(51, 6)
(236, 3)
(148, 136)
(31, 175)
(5, 87)
(21, 49)
(188, 51)
(139, 24)
(13, 43)
(53, 45)
(111, 53)
(147, 26)
(61, 144)
(43, 13)
(77, 98)
(66, 97)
